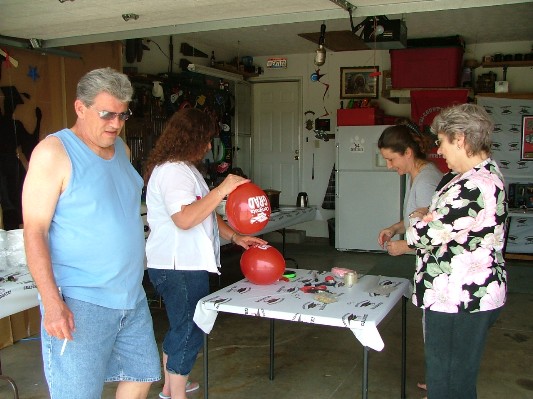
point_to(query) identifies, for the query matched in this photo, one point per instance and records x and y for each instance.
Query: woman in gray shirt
(404, 148)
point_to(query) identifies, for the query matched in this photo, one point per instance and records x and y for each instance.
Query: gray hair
(104, 80)
(470, 120)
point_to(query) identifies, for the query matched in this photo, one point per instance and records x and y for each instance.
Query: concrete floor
(323, 362)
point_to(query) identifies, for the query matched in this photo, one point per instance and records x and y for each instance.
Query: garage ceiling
(257, 27)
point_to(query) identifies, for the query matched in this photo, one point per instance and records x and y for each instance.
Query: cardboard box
(19, 326)
(6, 338)
(426, 67)
(359, 116)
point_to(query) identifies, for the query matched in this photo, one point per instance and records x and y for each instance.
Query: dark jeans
(181, 290)
(453, 348)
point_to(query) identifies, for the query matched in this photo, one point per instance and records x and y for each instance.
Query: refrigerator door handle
(337, 183)
(337, 167)
(337, 159)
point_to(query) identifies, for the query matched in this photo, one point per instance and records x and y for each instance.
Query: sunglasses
(109, 116)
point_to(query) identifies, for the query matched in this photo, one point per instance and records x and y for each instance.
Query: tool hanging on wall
(309, 120)
(8, 59)
(134, 50)
(315, 77)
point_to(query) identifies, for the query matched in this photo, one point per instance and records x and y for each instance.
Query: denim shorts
(108, 345)
(181, 290)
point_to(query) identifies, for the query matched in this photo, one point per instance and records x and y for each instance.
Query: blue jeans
(181, 290)
(454, 344)
(108, 345)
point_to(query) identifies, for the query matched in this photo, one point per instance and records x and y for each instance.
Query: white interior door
(276, 138)
(242, 143)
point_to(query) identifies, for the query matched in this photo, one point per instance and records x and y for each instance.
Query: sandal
(189, 387)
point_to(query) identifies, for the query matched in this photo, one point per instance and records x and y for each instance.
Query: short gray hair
(104, 80)
(470, 120)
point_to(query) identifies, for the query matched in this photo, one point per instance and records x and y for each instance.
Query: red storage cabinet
(426, 67)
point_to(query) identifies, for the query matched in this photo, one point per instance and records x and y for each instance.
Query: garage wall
(54, 89)
(47, 82)
(316, 99)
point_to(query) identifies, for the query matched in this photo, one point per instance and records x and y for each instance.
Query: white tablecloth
(278, 220)
(359, 308)
(20, 294)
(281, 220)
(16, 296)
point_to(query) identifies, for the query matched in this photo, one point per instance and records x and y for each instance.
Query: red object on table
(262, 264)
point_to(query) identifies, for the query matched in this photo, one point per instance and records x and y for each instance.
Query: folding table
(360, 308)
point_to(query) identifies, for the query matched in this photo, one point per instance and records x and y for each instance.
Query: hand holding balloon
(248, 241)
(230, 183)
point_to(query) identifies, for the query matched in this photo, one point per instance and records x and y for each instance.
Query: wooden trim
(503, 64)
(514, 256)
(518, 96)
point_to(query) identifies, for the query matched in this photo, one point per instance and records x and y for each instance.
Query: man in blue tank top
(85, 249)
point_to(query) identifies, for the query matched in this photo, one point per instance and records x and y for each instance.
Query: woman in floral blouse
(460, 277)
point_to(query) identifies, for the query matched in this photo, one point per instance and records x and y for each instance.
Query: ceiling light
(217, 73)
(378, 31)
(320, 56)
(35, 43)
(127, 17)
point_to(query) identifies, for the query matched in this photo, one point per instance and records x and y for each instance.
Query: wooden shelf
(402, 96)
(232, 69)
(519, 96)
(504, 64)
(515, 256)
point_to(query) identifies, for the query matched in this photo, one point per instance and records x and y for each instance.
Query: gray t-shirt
(419, 193)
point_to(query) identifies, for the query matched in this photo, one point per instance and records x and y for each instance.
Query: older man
(85, 249)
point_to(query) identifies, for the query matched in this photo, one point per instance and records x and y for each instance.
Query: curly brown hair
(185, 138)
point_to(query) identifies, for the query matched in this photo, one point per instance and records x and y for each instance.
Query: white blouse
(171, 186)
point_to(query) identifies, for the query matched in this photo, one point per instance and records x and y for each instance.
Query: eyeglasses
(438, 142)
(109, 116)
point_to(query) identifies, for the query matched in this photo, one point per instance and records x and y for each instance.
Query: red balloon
(248, 209)
(262, 264)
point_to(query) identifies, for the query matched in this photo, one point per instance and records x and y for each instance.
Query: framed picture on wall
(359, 82)
(527, 138)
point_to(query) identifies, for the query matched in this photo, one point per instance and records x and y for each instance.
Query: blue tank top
(96, 236)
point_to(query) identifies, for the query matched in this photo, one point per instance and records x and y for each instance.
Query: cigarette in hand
(63, 347)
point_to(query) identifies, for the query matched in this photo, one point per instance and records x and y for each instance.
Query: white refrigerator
(368, 196)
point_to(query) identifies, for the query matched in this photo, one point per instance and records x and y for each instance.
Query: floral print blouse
(459, 260)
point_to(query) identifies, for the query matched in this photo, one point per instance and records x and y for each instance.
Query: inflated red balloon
(248, 209)
(262, 264)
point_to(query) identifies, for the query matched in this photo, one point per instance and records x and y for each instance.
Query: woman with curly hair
(460, 279)
(404, 149)
(183, 245)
